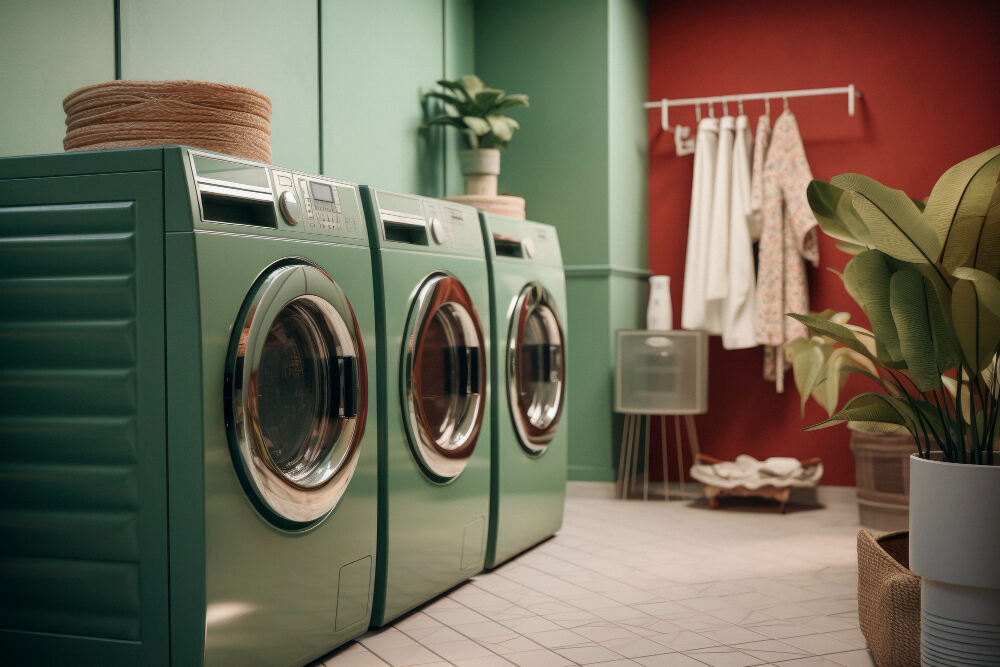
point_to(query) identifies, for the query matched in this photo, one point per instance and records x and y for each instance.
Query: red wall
(930, 76)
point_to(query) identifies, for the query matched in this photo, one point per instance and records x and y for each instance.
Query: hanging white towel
(699, 222)
(738, 317)
(716, 244)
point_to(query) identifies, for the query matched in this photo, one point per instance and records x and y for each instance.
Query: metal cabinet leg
(663, 458)
(645, 468)
(692, 431)
(678, 442)
(623, 446)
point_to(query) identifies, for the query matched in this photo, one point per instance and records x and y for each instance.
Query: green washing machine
(528, 485)
(433, 396)
(186, 357)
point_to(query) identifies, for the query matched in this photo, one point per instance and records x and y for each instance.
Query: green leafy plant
(477, 110)
(926, 277)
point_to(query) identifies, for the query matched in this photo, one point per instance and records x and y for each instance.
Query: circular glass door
(296, 394)
(536, 368)
(444, 377)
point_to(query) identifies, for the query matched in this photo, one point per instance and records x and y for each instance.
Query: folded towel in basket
(748, 472)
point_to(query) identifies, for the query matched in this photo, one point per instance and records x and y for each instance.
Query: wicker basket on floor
(888, 599)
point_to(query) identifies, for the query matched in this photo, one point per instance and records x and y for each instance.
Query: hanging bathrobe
(699, 222)
(738, 311)
(762, 140)
(787, 240)
(716, 267)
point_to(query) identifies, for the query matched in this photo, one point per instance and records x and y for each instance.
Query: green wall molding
(605, 270)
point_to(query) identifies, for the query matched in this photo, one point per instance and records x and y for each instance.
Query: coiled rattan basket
(126, 114)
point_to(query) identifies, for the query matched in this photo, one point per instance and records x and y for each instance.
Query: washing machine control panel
(318, 205)
(440, 226)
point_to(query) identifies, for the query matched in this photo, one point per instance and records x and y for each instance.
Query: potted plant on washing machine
(926, 277)
(479, 113)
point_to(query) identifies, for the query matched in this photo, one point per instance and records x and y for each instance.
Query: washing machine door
(444, 377)
(296, 394)
(536, 368)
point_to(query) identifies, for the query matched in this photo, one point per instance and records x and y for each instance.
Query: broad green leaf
(459, 104)
(960, 192)
(896, 225)
(951, 384)
(838, 366)
(445, 119)
(477, 125)
(837, 332)
(456, 87)
(487, 98)
(919, 204)
(835, 213)
(876, 427)
(808, 365)
(472, 85)
(868, 407)
(948, 352)
(866, 278)
(987, 286)
(990, 377)
(865, 337)
(850, 248)
(502, 126)
(511, 101)
(976, 327)
(910, 300)
(974, 239)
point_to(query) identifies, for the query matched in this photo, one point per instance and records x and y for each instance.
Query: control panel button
(437, 230)
(290, 209)
(528, 247)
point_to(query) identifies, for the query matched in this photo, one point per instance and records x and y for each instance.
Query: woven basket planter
(888, 599)
(127, 114)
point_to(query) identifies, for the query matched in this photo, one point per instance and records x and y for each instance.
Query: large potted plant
(478, 111)
(926, 277)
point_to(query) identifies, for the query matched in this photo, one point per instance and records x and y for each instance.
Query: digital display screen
(321, 192)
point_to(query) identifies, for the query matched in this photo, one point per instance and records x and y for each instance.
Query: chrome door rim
(292, 498)
(534, 298)
(445, 457)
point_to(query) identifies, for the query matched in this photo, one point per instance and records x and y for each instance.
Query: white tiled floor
(658, 584)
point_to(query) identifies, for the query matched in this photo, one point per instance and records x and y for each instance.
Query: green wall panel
(269, 46)
(48, 49)
(459, 59)
(378, 57)
(580, 162)
(556, 52)
(589, 377)
(628, 133)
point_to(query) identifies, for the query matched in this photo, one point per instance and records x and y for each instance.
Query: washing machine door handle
(467, 374)
(349, 383)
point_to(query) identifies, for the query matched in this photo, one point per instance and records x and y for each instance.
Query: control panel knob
(290, 208)
(437, 230)
(528, 247)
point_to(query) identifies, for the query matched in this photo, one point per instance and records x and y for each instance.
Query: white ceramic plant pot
(481, 168)
(955, 548)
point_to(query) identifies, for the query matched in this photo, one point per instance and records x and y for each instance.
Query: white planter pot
(955, 548)
(481, 169)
